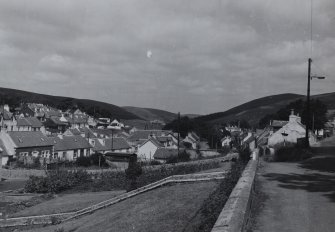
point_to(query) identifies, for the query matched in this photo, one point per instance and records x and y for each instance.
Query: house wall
(69, 154)
(30, 150)
(293, 131)
(8, 143)
(147, 151)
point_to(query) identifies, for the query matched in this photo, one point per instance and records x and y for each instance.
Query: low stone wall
(57, 218)
(236, 211)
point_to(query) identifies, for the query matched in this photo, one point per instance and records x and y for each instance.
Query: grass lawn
(170, 208)
(67, 203)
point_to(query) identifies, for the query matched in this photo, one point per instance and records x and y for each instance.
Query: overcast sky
(193, 56)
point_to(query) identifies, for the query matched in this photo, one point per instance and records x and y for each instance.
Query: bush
(95, 159)
(56, 181)
(291, 154)
(83, 161)
(244, 154)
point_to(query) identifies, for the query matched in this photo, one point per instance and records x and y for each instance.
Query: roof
(118, 143)
(278, 123)
(29, 139)
(29, 121)
(66, 143)
(144, 134)
(165, 153)
(98, 145)
(57, 120)
(77, 119)
(153, 140)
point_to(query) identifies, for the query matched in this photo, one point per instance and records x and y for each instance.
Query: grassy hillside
(151, 114)
(254, 110)
(14, 97)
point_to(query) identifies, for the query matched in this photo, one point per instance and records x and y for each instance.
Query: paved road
(296, 196)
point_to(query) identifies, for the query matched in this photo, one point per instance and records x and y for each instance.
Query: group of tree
(317, 117)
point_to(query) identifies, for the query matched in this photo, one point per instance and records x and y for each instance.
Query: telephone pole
(178, 130)
(308, 101)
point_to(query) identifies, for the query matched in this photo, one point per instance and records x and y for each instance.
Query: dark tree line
(317, 119)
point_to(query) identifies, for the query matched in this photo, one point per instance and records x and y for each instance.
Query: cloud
(207, 56)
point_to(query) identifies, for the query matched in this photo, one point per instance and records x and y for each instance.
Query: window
(35, 153)
(45, 154)
(23, 153)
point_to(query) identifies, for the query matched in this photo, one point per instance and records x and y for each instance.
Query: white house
(193, 139)
(147, 150)
(290, 132)
(225, 142)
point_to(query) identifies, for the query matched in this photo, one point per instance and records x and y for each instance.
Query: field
(170, 208)
(67, 203)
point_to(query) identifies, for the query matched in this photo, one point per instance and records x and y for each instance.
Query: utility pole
(178, 130)
(308, 101)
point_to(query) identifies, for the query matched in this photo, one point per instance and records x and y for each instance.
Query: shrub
(287, 154)
(95, 159)
(244, 154)
(188, 145)
(184, 156)
(83, 161)
(155, 162)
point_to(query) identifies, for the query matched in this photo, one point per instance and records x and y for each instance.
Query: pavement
(296, 196)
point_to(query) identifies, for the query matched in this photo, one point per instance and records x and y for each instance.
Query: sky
(188, 56)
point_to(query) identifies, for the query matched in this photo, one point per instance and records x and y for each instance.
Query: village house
(105, 145)
(56, 125)
(26, 145)
(83, 131)
(193, 139)
(139, 137)
(70, 147)
(290, 133)
(147, 150)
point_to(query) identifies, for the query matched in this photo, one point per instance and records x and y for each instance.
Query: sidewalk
(295, 196)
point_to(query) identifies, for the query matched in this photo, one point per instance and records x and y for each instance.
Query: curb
(235, 213)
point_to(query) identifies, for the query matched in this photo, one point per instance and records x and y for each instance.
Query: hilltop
(150, 114)
(254, 110)
(15, 97)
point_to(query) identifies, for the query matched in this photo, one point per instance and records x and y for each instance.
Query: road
(297, 196)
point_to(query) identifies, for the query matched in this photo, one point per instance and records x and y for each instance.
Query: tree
(317, 114)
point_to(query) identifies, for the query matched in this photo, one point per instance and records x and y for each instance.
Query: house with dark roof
(139, 136)
(105, 145)
(22, 144)
(70, 147)
(28, 124)
(56, 125)
(83, 131)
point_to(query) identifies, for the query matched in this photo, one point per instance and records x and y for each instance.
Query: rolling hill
(14, 97)
(151, 114)
(254, 110)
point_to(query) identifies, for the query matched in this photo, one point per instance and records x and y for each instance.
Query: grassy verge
(66, 203)
(169, 208)
(211, 208)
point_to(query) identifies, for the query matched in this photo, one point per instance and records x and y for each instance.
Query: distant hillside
(254, 110)
(192, 115)
(151, 114)
(15, 97)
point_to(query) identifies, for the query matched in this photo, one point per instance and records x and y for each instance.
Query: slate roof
(98, 146)
(69, 143)
(144, 134)
(29, 139)
(57, 121)
(118, 143)
(165, 153)
(29, 121)
(77, 119)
